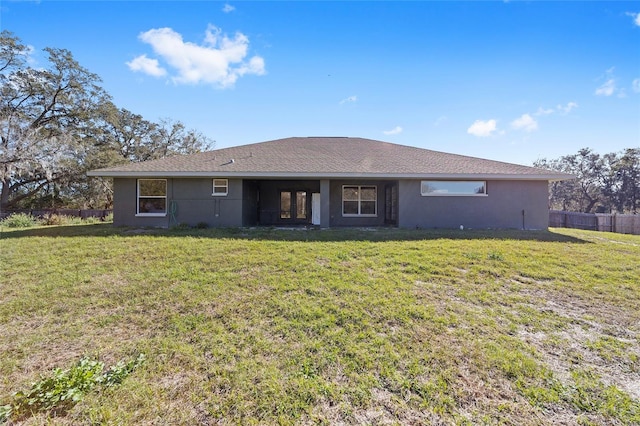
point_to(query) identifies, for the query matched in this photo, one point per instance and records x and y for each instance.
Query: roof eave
(295, 175)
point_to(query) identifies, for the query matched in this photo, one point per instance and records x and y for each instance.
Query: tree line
(604, 183)
(57, 122)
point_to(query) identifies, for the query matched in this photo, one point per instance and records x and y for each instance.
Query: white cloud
(227, 8)
(636, 17)
(560, 109)
(482, 128)
(525, 122)
(440, 120)
(219, 61)
(147, 66)
(635, 85)
(29, 52)
(350, 99)
(567, 108)
(607, 89)
(542, 111)
(393, 131)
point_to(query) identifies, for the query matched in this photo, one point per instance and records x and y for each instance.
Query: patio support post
(325, 196)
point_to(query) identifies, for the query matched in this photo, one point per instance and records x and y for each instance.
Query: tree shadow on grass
(55, 231)
(292, 234)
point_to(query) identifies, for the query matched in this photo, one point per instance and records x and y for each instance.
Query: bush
(181, 226)
(24, 220)
(54, 219)
(20, 220)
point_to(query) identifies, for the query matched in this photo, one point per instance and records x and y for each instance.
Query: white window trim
(219, 194)
(360, 201)
(150, 196)
(439, 194)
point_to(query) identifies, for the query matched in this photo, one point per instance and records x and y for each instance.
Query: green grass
(268, 326)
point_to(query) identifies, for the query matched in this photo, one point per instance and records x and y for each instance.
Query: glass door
(294, 206)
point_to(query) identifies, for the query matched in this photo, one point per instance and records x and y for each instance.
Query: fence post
(614, 222)
(611, 220)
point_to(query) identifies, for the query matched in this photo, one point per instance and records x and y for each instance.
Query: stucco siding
(336, 215)
(189, 201)
(194, 204)
(125, 205)
(502, 207)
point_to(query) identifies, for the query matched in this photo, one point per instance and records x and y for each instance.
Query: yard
(269, 326)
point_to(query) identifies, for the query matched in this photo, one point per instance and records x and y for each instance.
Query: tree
(123, 137)
(56, 123)
(580, 194)
(172, 137)
(610, 182)
(127, 137)
(44, 114)
(627, 173)
(586, 165)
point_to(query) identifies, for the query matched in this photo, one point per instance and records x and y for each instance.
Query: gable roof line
(329, 157)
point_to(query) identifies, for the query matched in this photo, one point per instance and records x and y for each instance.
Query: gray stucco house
(330, 182)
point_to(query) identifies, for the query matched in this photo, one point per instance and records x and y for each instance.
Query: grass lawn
(327, 327)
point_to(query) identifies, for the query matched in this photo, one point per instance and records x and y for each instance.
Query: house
(330, 182)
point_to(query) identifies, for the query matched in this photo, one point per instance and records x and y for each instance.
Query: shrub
(91, 220)
(54, 219)
(20, 220)
(181, 226)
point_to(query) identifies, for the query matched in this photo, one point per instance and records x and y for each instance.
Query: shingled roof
(328, 157)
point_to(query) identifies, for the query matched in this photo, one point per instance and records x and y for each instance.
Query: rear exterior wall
(502, 207)
(193, 204)
(189, 201)
(337, 219)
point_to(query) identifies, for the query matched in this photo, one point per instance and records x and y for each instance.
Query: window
(301, 205)
(453, 188)
(359, 200)
(152, 197)
(285, 205)
(220, 187)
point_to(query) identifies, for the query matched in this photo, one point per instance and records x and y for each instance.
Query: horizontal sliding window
(152, 197)
(453, 187)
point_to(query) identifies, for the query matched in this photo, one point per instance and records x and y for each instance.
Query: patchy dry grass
(328, 327)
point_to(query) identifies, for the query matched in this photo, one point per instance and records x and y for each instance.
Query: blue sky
(512, 81)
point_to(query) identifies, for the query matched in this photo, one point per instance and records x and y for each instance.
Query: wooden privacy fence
(100, 213)
(604, 222)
